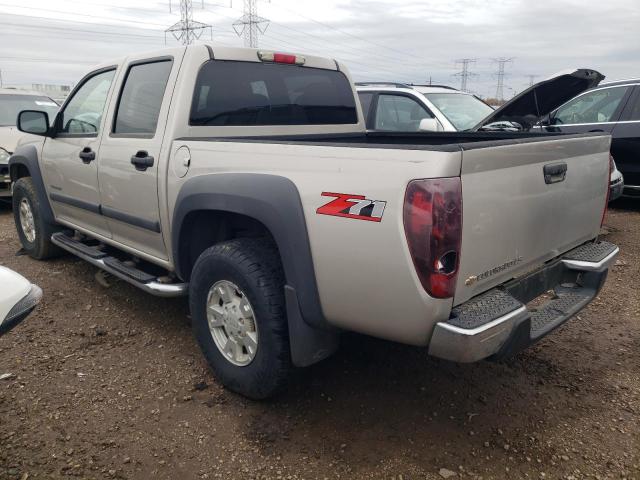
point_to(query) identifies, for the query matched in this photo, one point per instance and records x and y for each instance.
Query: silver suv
(401, 107)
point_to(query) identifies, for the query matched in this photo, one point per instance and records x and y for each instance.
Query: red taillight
(433, 225)
(606, 202)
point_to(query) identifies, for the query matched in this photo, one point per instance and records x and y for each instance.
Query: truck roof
(219, 52)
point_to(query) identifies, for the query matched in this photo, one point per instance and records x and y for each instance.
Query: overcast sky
(55, 41)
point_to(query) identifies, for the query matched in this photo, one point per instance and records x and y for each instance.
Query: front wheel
(33, 231)
(236, 297)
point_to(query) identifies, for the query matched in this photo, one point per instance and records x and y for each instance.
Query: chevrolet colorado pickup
(246, 180)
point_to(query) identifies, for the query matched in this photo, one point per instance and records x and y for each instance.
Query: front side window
(399, 113)
(11, 105)
(248, 93)
(462, 110)
(83, 113)
(141, 98)
(594, 107)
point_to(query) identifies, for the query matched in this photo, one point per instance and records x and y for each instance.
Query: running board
(115, 267)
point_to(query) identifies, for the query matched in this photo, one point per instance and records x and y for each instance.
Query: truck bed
(436, 141)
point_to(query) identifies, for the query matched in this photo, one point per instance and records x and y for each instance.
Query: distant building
(56, 92)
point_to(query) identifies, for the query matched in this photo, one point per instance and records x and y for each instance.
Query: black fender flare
(27, 156)
(275, 202)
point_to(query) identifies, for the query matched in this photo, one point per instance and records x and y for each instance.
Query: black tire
(41, 247)
(254, 266)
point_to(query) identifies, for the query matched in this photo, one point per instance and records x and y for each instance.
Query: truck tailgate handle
(555, 172)
(142, 160)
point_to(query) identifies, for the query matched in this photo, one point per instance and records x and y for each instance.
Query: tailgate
(514, 219)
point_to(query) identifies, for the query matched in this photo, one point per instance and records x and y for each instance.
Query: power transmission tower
(465, 73)
(187, 29)
(532, 79)
(250, 24)
(500, 75)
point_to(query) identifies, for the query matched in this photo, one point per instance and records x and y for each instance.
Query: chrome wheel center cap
(232, 323)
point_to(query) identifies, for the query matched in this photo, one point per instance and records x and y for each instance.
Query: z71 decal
(352, 206)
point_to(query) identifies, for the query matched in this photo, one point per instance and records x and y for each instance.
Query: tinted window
(399, 113)
(245, 93)
(593, 107)
(635, 108)
(84, 111)
(11, 105)
(365, 101)
(141, 98)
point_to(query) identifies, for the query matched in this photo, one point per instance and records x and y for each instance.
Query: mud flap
(308, 345)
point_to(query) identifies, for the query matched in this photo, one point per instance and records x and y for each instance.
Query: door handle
(554, 172)
(142, 160)
(87, 155)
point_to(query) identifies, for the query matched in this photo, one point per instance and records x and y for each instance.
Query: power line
(99, 17)
(500, 74)
(466, 72)
(250, 24)
(379, 45)
(187, 29)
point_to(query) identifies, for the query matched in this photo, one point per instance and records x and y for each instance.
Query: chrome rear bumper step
(139, 278)
(499, 323)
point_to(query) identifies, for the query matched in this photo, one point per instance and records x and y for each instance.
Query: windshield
(11, 105)
(462, 110)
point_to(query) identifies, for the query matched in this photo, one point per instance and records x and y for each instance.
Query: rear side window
(141, 98)
(247, 93)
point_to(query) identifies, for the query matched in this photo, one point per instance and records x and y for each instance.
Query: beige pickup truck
(246, 180)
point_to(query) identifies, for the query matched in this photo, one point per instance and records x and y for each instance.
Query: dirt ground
(109, 383)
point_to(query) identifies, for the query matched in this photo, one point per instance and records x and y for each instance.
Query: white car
(12, 102)
(412, 108)
(18, 298)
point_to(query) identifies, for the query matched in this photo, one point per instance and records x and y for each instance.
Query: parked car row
(568, 102)
(12, 101)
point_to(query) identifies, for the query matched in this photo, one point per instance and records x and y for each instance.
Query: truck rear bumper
(509, 318)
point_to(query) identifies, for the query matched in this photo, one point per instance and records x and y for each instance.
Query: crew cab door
(70, 159)
(131, 154)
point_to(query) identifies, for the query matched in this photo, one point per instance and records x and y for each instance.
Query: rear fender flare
(270, 199)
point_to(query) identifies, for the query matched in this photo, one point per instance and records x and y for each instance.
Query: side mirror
(34, 122)
(429, 125)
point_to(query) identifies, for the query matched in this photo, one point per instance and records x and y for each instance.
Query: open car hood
(528, 107)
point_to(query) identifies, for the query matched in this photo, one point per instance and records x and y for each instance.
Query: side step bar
(115, 267)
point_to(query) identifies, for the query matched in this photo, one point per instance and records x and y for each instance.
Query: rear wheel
(33, 231)
(236, 298)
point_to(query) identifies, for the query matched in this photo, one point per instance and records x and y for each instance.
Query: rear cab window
(235, 93)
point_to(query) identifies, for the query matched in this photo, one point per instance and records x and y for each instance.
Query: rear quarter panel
(366, 279)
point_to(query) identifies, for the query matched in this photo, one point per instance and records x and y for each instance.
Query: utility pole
(250, 24)
(532, 79)
(187, 30)
(465, 73)
(502, 61)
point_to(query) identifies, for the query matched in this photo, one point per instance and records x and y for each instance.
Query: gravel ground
(109, 383)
